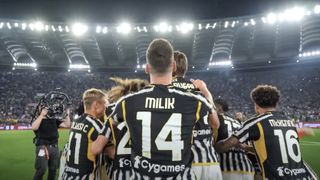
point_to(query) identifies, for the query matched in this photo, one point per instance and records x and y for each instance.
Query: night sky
(137, 11)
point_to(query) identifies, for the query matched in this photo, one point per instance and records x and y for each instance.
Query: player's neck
(264, 110)
(91, 113)
(165, 79)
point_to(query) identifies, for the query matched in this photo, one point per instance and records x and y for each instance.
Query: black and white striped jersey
(276, 143)
(202, 147)
(234, 160)
(160, 120)
(80, 162)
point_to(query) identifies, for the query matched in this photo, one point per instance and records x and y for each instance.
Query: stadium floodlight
(144, 66)
(79, 66)
(317, 9)
(300, 55)
(35, 69)
(39, 26)
(8, 25)
(308, 13)
(317, 52)
(105, 30)
(233, 24)
(264, 20)
(252, 22)
(269, 62)
(162, 27)
(186, 27)
(308, 54)
(60, 28)
(193, 67)
(272, 18)
(13, 68)
(53, 28)
(46, 27)
(221, 63)
(294, 14)
(31, 26)
(138, 66)
(135, 71)
(89, 70)
(226, 24)
(124, 28)
(98, 29)
(33, 65)
(199, 26)
(67, 28)
(16, 24)
(313, 53)
(1, 25)
(246, 23)
(23, 26)
(78, 29)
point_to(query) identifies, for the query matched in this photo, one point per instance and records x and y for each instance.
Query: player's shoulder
(93, 122)
(256, 119)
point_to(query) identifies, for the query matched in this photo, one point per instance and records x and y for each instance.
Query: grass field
(17, 153)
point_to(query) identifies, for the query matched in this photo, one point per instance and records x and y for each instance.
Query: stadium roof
(247, 41)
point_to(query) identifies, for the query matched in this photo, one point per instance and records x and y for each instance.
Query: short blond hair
(91, 95)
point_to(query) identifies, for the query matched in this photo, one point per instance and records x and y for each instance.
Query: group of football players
(173, 128)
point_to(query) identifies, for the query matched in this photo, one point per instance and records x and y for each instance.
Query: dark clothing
(46, 156)
(47, 151)
(47, 132)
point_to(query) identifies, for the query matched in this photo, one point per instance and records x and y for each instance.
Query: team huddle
(173, 128)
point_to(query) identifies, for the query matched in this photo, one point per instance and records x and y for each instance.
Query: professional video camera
(57, 104)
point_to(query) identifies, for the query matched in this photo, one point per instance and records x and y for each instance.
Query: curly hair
(124, 87)
(265, 96)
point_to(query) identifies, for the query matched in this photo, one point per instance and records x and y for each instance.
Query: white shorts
(237, 176)
(207, 172)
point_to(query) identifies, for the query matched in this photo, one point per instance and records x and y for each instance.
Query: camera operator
(46, 141)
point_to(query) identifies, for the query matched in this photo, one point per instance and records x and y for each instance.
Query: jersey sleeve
(223, 130)
(249, 131)
(119, 112)
(106, 130)
(97, 129)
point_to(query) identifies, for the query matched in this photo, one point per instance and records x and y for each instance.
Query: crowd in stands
(300, 89)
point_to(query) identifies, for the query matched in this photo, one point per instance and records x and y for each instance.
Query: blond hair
(91, 95)
(124, 87)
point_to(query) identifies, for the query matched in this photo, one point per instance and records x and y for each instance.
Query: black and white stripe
(203, 151)
(243, 133)
(235, 161)
(119, 174)
(96, 124)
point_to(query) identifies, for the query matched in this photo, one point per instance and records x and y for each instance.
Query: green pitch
(17, 153)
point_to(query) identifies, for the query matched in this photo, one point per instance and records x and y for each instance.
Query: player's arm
(67, 121)
(99, 144)
(213, 116)
(36, 123)
(223, 146)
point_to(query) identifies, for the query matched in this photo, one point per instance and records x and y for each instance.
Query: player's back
(277, 147)
(81, 163)
(160, 121)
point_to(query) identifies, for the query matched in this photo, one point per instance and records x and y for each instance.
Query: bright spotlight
(317, 9)
(294, 14)
(124, 28)
(226, 24)
(67, 29)
(31, 26)
(1, 25)
(23, 26)
(79, 66)
(186, 27)
(163, 27)
(79, 29)
(38, 26)
(221, 63)
(264, 20)
(16, 24)
(252, 22)
(246, 23)
(60, 28)
(104, 30)
(9, 25)
(272, 18)
(98, 29)
(46, 27)
(53, 28)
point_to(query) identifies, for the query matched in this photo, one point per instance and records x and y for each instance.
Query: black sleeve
(248, 132)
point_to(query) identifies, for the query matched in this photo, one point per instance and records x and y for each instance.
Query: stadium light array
(185, 27)
(79, 29)
(9, 25)
(317, 9)
(23, 26)
(141, 66)
(79, 66)
(31, 65)
(310, 53)
(221, 63)
(124, 28)
(1, 25)
(162, 27)
(16, 24)
(39, 26)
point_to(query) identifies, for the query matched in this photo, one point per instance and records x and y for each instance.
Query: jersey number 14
(172, 126)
